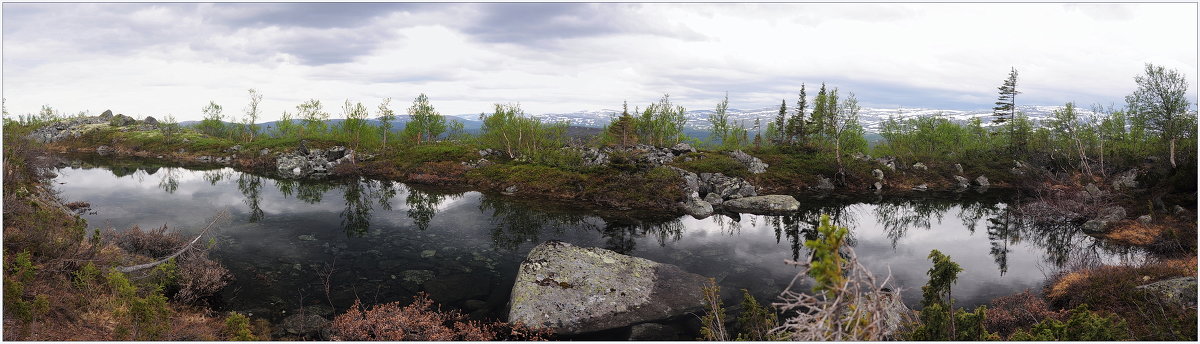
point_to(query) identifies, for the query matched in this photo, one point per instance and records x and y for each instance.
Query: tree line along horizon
(1156, 120)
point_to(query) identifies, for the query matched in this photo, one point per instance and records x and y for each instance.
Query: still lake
(385, 241)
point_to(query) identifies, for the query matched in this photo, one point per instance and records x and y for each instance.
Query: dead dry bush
(151, 243)
(420, 321)
(200, 277)
(196, 275)
(1006, 314)
(860, 308)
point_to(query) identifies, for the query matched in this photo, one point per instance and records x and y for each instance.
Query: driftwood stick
(128, 269)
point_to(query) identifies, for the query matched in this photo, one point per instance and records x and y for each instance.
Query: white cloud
(173, 58)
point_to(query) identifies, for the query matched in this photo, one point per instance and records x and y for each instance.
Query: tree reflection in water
(802, 225)
(251, 187)
(422, 206)
(169, 181)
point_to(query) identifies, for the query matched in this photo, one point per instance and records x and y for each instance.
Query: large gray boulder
(696, 207)
(982, 181)
(1099, 225)
(682, 148)
(763, 205)
(754, 165)
(121, 120)
(571, 290)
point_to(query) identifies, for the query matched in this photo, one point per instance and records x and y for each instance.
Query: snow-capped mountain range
(870, 118)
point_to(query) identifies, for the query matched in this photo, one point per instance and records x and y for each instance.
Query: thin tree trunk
(1172, 152)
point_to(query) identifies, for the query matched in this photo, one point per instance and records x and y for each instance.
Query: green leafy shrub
(238, 326)
(1083, 325)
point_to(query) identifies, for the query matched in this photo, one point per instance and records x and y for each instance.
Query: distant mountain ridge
(870, 118)
(697, 120)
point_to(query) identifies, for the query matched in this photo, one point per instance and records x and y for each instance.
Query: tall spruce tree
(781, 122)
(1006, 106)
(795, 125)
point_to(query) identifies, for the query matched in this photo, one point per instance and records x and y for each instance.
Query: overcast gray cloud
(167, 58)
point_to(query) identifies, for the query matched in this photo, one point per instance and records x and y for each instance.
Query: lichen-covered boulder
(1181, 290)
(571, 290)
(763, 205)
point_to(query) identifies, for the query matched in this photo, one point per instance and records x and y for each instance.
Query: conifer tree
(1006, 107)
(795, 125)
(780, 123)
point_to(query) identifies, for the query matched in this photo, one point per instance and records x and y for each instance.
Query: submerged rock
(571, 290)
(652, 332)
(824, 183)
(963, 182)
(763, 205)
(309, 326)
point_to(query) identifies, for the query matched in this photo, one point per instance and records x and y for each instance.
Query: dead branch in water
(220, 216)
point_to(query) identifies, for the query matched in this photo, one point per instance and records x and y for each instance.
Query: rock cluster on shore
(311, 163)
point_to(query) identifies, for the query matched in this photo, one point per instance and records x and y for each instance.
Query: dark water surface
(385, 241)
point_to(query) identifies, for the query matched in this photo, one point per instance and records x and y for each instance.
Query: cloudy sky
(156, 59)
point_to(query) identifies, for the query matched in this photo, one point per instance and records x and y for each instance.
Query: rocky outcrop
(754, 165)
(311, 162)
(571, 290)
(150, 121)
(702, 192)
(878, 174)
(725, 186)
(763, 205)
(1099, 225)
(1126, 180)
(1181, 290)
(66, 129)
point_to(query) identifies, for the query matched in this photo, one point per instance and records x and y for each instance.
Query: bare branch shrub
(1007, 314)
(858, 308)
